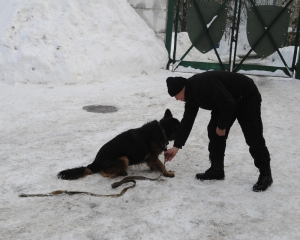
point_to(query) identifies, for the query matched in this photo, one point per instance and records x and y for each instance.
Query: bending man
(229, 96)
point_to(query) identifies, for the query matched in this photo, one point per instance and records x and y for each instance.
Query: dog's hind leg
(114, 168)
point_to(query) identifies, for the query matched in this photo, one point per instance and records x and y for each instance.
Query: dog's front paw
(170, 174)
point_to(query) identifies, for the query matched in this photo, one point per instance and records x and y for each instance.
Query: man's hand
(169, 154)
(221, 132)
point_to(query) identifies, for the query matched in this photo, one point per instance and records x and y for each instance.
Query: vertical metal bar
(176, 30)
(169, 30)
(232, 35)
(296, 44)
(237, 32)
(297, 76)
(263, 34)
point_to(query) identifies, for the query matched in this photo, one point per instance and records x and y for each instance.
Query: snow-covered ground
(44, 130)
(114, 59)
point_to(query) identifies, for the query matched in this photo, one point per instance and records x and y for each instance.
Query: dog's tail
(74, 173)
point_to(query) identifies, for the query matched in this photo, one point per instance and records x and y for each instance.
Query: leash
(131, 179)
(114, 185)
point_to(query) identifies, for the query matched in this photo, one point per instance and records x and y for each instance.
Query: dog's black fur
(132, 147)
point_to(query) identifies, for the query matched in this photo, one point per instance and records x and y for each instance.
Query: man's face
(180, 96)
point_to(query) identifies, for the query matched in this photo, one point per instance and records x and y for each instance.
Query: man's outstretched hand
(169, 154)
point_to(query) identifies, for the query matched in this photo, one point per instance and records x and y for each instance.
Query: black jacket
(219, 91)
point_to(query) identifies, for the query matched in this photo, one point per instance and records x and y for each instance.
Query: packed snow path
(43, 130)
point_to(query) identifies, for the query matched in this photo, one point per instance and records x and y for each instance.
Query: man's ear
(168, 114)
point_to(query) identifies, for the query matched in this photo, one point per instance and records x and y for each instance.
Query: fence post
(296, 51)
(170, 15)
(297, 75)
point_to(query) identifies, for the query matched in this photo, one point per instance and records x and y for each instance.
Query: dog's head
(170, 125)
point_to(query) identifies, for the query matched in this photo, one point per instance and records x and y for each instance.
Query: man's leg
(216, 148)
(249, 117)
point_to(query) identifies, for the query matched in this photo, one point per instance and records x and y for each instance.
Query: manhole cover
(100, 109)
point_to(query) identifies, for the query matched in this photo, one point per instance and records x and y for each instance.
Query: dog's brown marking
(107, 174)
(125, 161)
(87, 171)
(120, 169)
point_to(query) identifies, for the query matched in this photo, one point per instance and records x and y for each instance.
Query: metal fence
(248, 36)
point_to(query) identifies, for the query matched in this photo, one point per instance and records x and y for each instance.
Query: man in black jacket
(229, 96)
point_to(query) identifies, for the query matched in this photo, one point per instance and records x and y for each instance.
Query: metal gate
(249, 36)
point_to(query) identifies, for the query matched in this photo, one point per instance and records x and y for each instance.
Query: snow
(210, 23)
(75, 41)
(43, 130)
(184, 43)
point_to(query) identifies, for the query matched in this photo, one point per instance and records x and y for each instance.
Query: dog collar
(165, 136)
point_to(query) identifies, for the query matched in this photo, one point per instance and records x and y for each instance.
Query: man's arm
(186, 125)
(225, 102)
(185, 128)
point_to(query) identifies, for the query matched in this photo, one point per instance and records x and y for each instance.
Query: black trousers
(248, 115)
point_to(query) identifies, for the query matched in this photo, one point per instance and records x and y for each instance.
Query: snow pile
(75, 42)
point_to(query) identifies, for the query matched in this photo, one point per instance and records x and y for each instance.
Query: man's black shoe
(263, 183)
(211, 174)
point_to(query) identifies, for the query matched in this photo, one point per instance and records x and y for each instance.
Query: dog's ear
(168, 114)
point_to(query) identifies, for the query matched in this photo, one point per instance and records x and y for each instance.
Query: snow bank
(75, 42)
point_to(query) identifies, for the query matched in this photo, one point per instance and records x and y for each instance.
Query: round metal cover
(215, 23)
(100, 109)
(278, 31)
